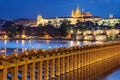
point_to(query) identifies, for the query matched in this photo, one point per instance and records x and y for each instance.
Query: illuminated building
(111, 21)
(75, 15)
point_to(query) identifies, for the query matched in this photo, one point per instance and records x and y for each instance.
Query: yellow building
(75, 15)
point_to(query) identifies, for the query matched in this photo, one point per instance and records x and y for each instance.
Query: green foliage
(10, 28)
(64, 28)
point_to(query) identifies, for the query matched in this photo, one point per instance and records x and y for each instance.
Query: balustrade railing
(45, 64)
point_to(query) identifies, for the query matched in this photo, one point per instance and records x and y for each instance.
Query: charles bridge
(42, 64)
(100, 35)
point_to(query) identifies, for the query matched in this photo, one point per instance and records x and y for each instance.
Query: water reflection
(23, 43)
(5, 42)
(86, 74)
(29, 44)
(37, 44)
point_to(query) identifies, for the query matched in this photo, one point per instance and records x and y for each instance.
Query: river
(11, 46)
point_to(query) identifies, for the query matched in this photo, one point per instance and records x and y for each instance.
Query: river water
(20, 45)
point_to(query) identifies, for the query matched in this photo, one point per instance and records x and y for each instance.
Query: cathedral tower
(40, 20)
(73, 13)
(76, 13)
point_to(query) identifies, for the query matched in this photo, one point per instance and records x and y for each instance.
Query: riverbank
(38, 39)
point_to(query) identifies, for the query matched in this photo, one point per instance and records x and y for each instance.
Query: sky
(14, 9)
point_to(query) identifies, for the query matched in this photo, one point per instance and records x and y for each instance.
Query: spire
(111, 15)
(40, 20)
(73, 13)
(39, 15)
(78, 6)
(82, 9)
(77, 12)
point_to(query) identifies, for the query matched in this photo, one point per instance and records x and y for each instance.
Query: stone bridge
(50, 64)
(97, 34)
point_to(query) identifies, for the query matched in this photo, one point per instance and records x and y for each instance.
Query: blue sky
(13, 9)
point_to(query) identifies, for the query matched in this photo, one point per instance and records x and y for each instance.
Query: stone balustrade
(45, 64)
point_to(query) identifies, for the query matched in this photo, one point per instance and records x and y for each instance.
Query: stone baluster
(67, 68)
(52, 69)
(58, 67)
(75, 61)
(40, 70)
(32, 71)
(78, 61)
(63, 65)
(3, 72)
(46, 73)
(24, 72)
(71, 63)
(15, 73)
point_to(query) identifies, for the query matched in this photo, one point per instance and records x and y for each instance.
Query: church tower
(77, 12)
(73, 13)
(40, 20)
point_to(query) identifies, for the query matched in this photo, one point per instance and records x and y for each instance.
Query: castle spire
(111, 15)
(39, 15)
(82, 9)
(78, 6)
(73, 13)
(40, 20)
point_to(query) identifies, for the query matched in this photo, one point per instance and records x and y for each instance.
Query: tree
(90, 24)
(96, 25)
(50, 29)
(80, 25)
(10, 28)
(19, 29)
(64, 27)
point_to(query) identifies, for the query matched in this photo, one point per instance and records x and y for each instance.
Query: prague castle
(75, 15)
